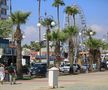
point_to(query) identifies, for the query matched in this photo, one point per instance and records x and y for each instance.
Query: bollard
(53, 77)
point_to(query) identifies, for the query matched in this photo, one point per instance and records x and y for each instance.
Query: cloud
(97, 28)
(31, 33)
(100, 30)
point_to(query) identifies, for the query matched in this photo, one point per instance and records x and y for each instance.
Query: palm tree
(57, 4)
(54, 37)
(19, 18)
(68, 11)
(35, 46)
(75, 12)
(71, 11)
(46, 22)
(94, 51)
(90, 33)
(71, 32)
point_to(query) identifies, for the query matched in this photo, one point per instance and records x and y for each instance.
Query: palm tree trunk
(91, 60)
(57, 47)
(98, 58)
(74, 19)
(47, 31)
(71, 51)
(19, 60)
(57, 52)
(68, 21)
(18, 38)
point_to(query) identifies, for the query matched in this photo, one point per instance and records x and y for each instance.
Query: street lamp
(47, 22)
(39, 13)
(91, 33)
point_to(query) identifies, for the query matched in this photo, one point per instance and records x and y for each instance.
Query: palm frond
(19, 17)
(58, 3)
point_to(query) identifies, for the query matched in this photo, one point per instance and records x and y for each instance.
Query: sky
(95, 13)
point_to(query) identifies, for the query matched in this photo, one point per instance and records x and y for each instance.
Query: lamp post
(39, 26)
(13, 43)
(47, 22)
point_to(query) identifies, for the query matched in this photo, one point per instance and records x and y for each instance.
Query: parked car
(75, 68)
(107, 64)
(65, 68)
(85, 68)
(38, 69)
(26, 69)
(103, 65)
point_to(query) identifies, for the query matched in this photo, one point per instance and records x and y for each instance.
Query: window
(3, 11)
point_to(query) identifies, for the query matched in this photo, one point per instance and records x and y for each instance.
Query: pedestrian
(2, 73)
(12, 74)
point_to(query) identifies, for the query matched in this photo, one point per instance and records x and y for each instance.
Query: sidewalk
(90, 81)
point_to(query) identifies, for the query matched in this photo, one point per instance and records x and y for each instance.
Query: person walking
(2, 73)
(12, 74)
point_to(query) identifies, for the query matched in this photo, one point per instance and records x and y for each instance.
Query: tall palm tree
(46, 22)
(75, 11)
(19, 18)
(70, 32)
(68, 11)
(71, 11)
(57, 4)
(90, 33)
(54, 37)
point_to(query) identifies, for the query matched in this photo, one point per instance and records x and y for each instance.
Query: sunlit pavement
(90, 81)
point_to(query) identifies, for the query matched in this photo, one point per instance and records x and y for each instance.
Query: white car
(65, 68)
(107, 64)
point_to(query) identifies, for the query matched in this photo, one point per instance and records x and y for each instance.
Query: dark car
(103, 65)
(75, 68)
(38, 69)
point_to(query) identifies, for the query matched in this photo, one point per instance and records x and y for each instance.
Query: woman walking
(2, 73)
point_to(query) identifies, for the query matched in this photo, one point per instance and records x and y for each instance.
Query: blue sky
(95, 12)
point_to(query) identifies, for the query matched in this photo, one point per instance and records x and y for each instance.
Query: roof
(45, 56)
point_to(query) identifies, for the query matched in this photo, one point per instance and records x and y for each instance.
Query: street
(90, 81)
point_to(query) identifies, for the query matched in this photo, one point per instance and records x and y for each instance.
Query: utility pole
(12, 47)
(107, 37)
(39, 10)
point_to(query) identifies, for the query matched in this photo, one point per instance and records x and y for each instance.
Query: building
(3, 9)
(8, 53)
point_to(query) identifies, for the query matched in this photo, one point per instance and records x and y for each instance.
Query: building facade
(3, 9)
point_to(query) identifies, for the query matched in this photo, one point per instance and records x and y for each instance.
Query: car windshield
(38, 65)
(68, 65)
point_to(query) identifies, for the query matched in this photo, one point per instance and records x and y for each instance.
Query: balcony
(4, 6)
(3, 16)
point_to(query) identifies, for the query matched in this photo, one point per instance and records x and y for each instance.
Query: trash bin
(53, 77)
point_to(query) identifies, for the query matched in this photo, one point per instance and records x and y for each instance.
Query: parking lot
(88, 81)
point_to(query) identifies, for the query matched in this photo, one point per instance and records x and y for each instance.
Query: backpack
(11, 69)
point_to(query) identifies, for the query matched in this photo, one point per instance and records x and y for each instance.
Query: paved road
(90, 81)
